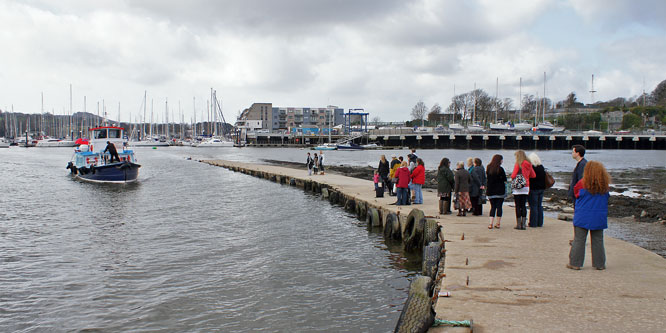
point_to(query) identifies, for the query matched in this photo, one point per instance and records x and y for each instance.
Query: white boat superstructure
(52, 142)
(4, 143)
(522, 127)
(456, 127)
(149, 143)
(499, 127)
(215, 142)
(474, 128)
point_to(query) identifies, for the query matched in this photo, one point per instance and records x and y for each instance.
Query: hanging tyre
(372, 218)
(417, 314)
(431, 256)
(361, 210)
(413, 234)
(324, 193)
(350, 206)
(430, 231)
(392, 227)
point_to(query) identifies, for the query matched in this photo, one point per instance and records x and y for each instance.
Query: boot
(524, 222)
(441, 207)
(447, 207)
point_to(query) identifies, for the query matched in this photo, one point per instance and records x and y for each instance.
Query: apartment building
(285, 118)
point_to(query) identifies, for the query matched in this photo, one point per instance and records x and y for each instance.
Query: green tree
(630, 120)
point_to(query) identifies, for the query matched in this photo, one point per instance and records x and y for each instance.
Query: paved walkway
(518, 281)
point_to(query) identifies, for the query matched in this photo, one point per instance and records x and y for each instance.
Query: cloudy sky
(380, 55)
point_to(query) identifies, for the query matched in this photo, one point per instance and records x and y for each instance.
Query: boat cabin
(93, 153)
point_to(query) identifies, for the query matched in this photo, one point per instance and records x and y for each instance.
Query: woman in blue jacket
(591, 215)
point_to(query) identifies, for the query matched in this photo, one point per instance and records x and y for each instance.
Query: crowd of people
(471, 185)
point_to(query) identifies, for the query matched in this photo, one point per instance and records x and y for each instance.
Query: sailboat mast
(520, 101)
(496, 93)
(543, 110)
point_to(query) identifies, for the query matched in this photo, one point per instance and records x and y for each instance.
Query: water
(190, 247)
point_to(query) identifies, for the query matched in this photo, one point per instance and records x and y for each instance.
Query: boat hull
(121, 172)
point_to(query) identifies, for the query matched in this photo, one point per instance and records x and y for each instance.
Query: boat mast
(496, 93)
(520, 101)
(474, 111)
(543, 109)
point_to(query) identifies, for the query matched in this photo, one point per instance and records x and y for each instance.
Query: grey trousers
(577, 253)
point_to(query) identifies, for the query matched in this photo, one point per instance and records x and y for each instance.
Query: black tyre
(430, 232)
(417, 314)
(372, 218)
(350, 206)
(391, 227)
(431, 256)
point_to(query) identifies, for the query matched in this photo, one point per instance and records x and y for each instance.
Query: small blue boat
(92, 163)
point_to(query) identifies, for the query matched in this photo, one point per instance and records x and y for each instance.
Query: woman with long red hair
(591, 214)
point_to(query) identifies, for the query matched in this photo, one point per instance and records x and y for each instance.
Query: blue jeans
(402, 195)
(536, 208)
(418, 195)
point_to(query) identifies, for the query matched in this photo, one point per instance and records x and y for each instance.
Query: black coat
(496, 183)
(478, 179)
(539, 181)
(383, 169)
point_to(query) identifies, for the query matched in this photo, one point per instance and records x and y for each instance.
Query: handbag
(519, 182)
(456, 204)
(482, 197)
(550, 181)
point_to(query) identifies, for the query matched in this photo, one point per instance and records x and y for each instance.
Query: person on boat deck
(111, 148)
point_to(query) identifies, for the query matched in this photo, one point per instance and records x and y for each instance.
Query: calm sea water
(190, 247)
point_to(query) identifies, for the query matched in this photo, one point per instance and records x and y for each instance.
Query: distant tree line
(478, 105)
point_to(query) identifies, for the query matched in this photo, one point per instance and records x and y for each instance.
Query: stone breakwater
(507, 280)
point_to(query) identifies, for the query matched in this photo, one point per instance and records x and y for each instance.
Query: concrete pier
(508, 280)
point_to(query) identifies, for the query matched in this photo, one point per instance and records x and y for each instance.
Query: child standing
(375, 178)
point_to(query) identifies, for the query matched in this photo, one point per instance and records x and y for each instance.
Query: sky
(383, 56)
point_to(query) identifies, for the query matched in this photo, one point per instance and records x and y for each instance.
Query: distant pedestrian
(315, 164)
(418, 180)
(375, 179)
(321, 163)
(395, 164)
(578, 154)
(445, 184)
(461, 188)
(496, 189)
(537, 187)
(522, 168)
(477, 186)
(402, 183)
(591, 214)
(309, 163)
(384, 170)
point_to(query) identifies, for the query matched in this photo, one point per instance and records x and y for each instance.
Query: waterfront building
(269, 118)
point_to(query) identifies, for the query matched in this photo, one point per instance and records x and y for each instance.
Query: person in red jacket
(403, 183)
(418, 179)
(521, 190)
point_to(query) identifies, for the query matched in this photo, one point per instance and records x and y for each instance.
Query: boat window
(114, 133)
(100, 134)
